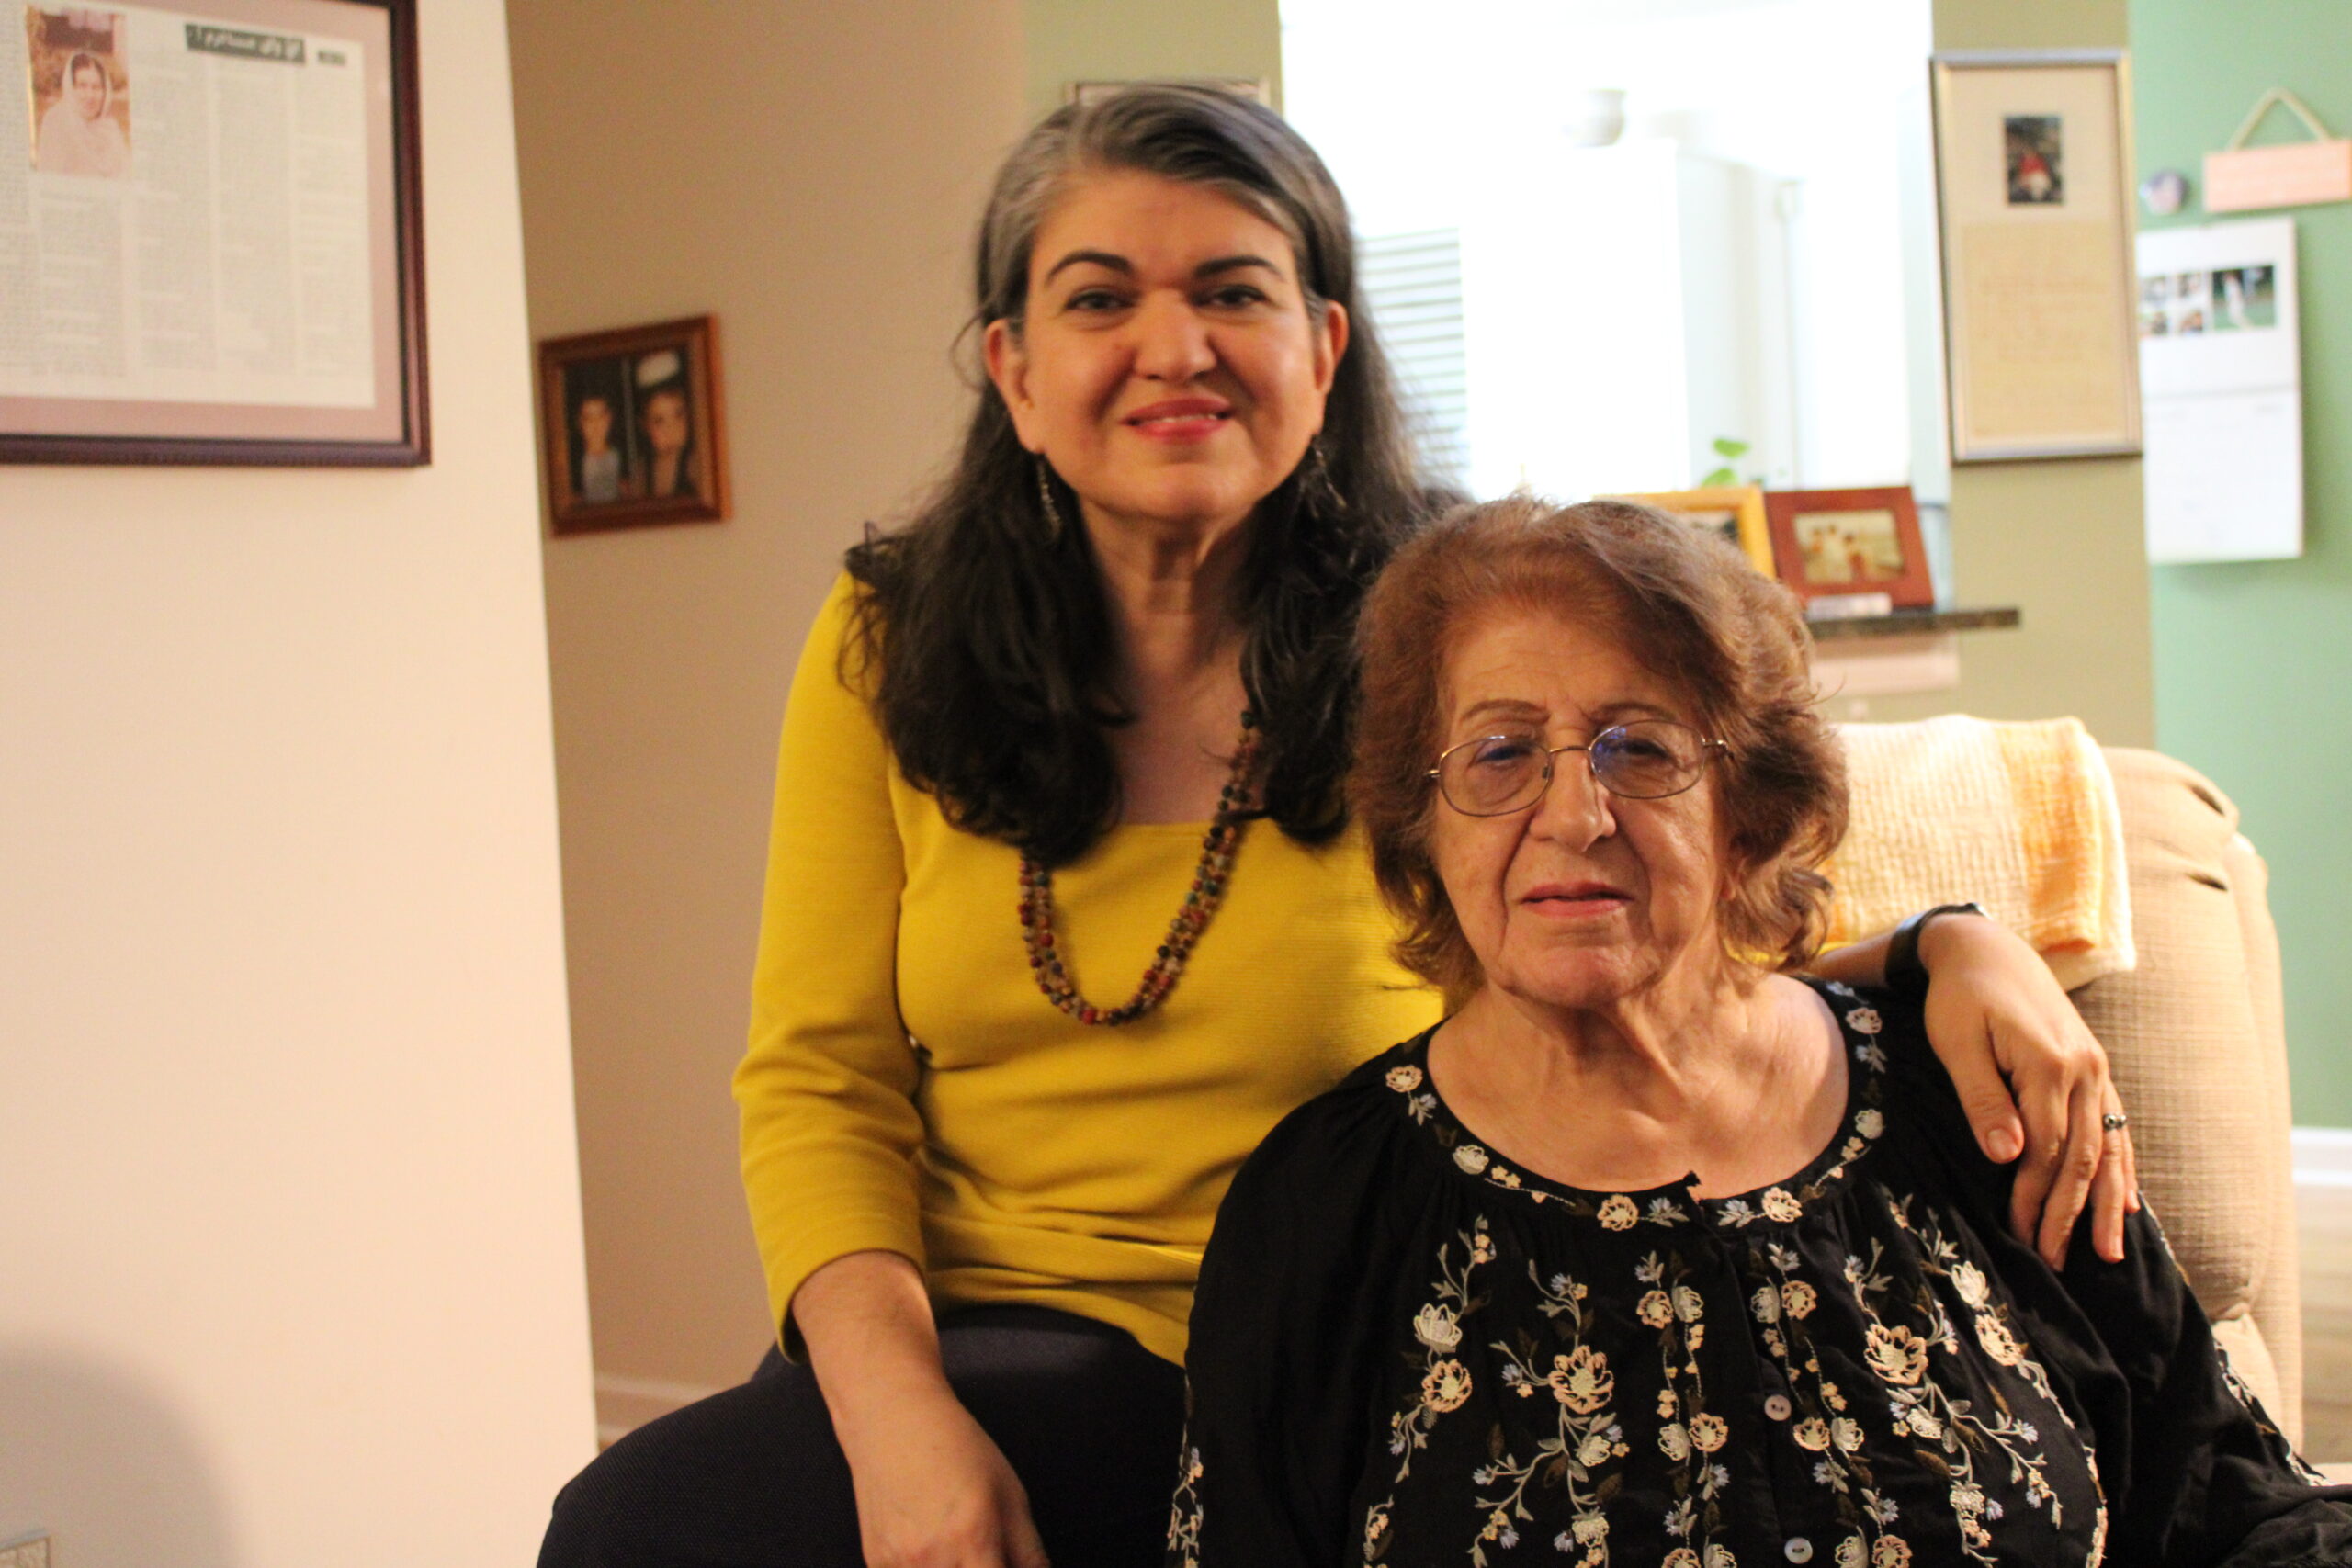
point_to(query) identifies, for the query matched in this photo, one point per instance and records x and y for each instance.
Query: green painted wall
(1117, 40)
(2062, 540)
(2254, 661)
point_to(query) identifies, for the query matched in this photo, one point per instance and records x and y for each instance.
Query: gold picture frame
(1735, 512)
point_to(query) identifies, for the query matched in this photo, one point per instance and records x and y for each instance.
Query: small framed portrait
(1834, 542)
(1734, 513)
(81, 93)
(631, 428)
(2036, 154)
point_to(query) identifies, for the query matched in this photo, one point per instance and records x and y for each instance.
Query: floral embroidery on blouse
(2254, 1408)
(1445, 1384)
(1948, 1432)
(1586, 1436)
(1820, 1420)
(1889, 1356)
(1690, 1434)
(1184, 1516)
(1615, 1210)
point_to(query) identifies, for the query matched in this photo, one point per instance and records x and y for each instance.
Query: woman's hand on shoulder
(2033, 1080)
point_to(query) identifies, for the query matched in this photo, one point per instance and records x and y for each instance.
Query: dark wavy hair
(1688, 607)
(981, 635)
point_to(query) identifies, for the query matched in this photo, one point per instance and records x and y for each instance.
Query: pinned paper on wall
(2221, 386)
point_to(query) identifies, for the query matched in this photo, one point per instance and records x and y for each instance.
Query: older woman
(1652, 1253)
(1065, 908)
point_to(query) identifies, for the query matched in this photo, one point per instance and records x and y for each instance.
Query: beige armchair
(2199, 1050)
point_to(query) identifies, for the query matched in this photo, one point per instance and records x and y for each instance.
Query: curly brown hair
(1731, 642)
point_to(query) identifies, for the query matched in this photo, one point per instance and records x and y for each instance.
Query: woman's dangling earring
(1318, 482)
(1046, 496)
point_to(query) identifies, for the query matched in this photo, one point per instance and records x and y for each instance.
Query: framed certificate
(2033, 170)
(209, 233)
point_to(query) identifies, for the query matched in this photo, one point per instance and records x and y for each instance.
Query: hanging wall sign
(2296, 174)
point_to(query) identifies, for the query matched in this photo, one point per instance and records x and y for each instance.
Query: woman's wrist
(1953, 935)
(866, 1321)
(1914, 949)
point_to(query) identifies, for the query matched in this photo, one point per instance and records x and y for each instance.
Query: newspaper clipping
(183, 212)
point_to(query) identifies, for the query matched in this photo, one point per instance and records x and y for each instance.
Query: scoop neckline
(1190, 829)
(1776, 1204)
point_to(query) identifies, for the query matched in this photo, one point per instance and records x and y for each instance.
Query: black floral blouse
(1405, 1351)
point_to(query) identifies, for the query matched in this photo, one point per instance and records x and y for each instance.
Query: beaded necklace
(1200, 903)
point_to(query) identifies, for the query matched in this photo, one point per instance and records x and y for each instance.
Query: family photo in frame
(1832, 543)
(1734, 513)
(632, 428)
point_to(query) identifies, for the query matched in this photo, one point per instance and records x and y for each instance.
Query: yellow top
(909, 1089)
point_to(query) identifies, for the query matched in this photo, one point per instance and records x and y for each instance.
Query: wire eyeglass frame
(1598, 751)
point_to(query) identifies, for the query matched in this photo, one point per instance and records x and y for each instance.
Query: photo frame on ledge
(1835, 544)
(1733, 512)
(221, 253)
(2034, 203)
(632, 432)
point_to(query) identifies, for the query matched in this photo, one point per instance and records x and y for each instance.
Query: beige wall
(817, 196)
(1107, 40)
(2063, 540)
(291, 1224)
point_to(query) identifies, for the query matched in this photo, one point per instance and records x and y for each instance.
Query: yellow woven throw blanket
(2020, 818)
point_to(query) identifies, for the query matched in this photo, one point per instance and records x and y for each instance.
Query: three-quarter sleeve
(1282, 1358)
(2197, 1472)
(828, 1126)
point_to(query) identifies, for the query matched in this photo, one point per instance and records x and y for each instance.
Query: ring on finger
(2115, 1122)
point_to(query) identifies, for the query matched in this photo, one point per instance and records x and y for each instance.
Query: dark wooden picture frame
(632, 427)
(391, 428)
(1878, 549)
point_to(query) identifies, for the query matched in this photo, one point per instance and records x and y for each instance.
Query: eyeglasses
(1498, 774)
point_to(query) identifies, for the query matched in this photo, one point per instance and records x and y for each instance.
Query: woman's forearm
(932, 1487)
(1857, 964)
(866, 1322)
(1863, 962)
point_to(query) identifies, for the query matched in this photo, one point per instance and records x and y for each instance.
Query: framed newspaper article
(2033, 196)
(209, 233)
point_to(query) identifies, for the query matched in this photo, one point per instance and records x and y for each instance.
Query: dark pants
(753, 1478)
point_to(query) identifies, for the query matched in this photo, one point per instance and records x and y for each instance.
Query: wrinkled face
(665, 422)
(1582, 899)
(1168, 369)
(89, 89)
(595, 424)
